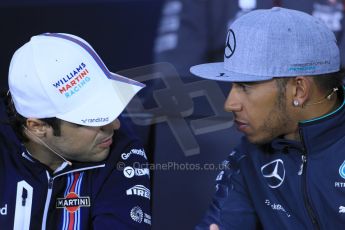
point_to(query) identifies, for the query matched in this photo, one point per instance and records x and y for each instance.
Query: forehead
(70, 125)
(67, 126)
(256, 89)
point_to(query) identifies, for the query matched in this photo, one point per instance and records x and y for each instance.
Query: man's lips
(106, 142)
(241, 125)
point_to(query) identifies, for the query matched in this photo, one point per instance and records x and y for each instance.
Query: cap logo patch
(230, 45)
(310, 66)
(74, 81)
(92, 120)
(222, 75)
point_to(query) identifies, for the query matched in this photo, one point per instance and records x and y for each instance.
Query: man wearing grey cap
(287, 97)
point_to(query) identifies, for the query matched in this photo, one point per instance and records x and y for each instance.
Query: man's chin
(258, 141)
(100, 156)
(103, 155)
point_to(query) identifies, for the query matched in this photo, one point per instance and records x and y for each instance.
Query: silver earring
(295, 103)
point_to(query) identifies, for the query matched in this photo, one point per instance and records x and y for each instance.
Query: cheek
(80, 141)
(259, 111)
(255, 108)
(84, 141)
(257, 120)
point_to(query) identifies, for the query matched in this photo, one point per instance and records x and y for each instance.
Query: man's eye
(244, 87)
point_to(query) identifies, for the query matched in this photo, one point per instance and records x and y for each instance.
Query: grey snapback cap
(277, 42)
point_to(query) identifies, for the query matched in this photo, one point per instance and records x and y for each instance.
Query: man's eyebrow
(252, 83)
(247, 83)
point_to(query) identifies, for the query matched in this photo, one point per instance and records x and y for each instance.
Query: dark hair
(18, 122)
(328, 81)
(281, 83)
(325, 82)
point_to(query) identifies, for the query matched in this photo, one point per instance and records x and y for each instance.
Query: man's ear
(35, 127)
(301, 90)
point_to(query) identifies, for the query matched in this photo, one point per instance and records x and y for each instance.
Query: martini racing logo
(74, 81)
(72, 202)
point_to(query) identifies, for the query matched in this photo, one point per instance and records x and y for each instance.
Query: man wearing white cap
(287, 97)
(69, 164)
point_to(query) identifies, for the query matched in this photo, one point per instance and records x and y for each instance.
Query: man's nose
(115, 125)
(232, 103)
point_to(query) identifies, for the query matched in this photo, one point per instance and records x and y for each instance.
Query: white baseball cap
(60, 75)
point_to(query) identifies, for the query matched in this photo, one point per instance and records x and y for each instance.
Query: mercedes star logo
(230, 45)
(274, 172)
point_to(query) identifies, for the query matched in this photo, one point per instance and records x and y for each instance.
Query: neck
(314, 110)
(322, 107)
(44, 155)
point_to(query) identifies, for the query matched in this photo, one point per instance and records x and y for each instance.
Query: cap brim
(215, 71)
(107, 105)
